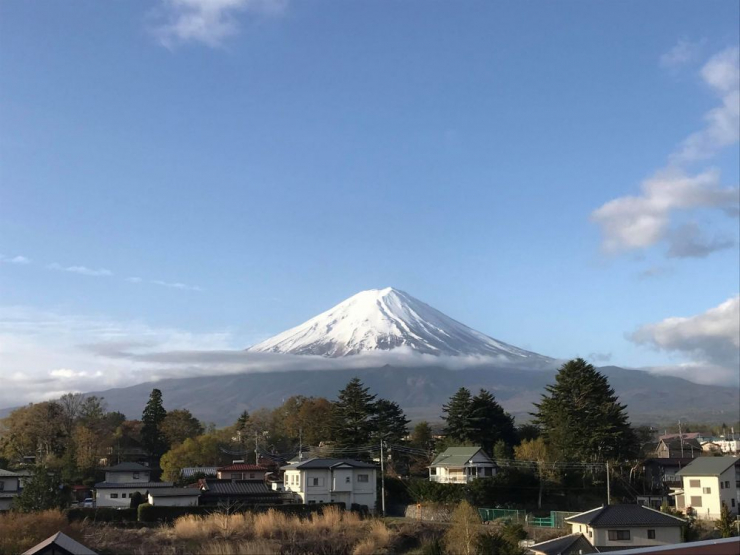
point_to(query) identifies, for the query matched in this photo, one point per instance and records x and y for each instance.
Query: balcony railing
(451, 479)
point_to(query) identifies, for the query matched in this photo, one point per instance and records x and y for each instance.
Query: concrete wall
(175, 501)
(123, 477)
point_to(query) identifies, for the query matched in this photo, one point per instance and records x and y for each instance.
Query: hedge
(153, 513)
(102, 514)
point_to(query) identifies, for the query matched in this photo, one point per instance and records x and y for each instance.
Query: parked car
(88, 503)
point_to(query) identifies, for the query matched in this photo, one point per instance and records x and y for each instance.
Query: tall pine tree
(352, 416)
(458, 416)
(152, 437)
(390, 422)
(490, 423)
(581, 417)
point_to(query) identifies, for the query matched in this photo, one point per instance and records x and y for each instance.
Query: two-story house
(122, 481)
(460, 465)
(678, 448)
(614, 527)
(10, 487)
(332, 481)
(242, 471)
(709, 482)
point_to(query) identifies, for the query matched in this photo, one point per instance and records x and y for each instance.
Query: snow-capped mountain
(384, 319)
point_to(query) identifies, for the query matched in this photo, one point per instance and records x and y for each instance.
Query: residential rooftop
(455, 456)
(708, 466)
(625, 515)
(328, 463)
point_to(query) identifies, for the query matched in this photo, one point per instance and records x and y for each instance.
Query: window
(317, 481)
(363, 478)
(619, 535)
(721, 485)
(694, 484)
(651, 534)
(2, 486)
(251, 476)
(707, 490)
(727, 484)
(695, 501)
(311, 502)
(347, 480)
(136, 475)
(733, 501)
(123, 496)
(590, 533)
(114, 496)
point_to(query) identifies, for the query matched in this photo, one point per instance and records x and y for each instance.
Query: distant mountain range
(383, 323)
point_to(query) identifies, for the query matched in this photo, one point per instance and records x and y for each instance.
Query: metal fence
(555, 520)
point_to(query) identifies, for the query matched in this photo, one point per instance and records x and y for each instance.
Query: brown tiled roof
(242, 467)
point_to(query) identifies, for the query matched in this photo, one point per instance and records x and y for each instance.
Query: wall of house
(638, 536)
(729, 495)
(253, 475)
(9, 484)
(354, 491)
(174, 501)
(704, 505)
(103, 497)
(124, 477)
(5, 503)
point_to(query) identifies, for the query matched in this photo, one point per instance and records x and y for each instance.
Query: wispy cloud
(710, 340)
(209, 22)
(689, 241)
(641, 221)
(82, 270)
(14, 259)
(176, 285)
(682, 53)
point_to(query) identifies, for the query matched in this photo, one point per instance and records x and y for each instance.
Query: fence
(555, 520)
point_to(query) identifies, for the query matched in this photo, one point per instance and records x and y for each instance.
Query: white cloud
(711, 342)
(15, 259)
(684, 52)
(210, 22)
(82, 270)
(638, 222)
(176, 285)
(641, 221)
(688, 241)
(134, 279)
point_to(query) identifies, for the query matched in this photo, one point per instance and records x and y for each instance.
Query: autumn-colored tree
(464, 532)
(204, 450)
(179, 425)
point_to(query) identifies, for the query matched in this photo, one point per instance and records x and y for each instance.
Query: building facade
(460, 465)
(10, 488)
(332, 481)
(708, 483)
(122, 481)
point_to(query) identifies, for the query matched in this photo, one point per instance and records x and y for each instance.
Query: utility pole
(608, 486)
(300, 444)
(680, 435)
(256, 448)
(382, 479)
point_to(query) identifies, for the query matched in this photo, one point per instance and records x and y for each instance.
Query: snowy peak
(385, 319)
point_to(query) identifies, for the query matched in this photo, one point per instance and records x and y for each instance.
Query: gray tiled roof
(329, 463)
(625, 515)
(128, 467)
(708, 466)
(556, 546)
(132, 485)
(8, 474)
(236, 487)
(63, 541)
(190, 471)
(175, 492)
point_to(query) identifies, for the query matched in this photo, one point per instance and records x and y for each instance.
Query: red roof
(242, 467)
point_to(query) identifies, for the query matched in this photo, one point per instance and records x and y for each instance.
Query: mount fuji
(385, 320)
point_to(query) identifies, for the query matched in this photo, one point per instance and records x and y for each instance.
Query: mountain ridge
(388, 319)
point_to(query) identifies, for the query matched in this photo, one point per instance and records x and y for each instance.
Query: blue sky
(204, 174)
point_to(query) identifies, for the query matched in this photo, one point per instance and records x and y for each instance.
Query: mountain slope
(422, 391)
(385, 319)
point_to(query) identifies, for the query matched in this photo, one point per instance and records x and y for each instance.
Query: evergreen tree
(152, 437)
(489, 422)
(502, 451)
(458, 414)
(352, 417)
(421, 436)
(389, 422)
(42, 492)
(581, 417)
(726, 522)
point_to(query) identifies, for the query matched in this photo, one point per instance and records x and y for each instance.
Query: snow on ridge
(384, 320)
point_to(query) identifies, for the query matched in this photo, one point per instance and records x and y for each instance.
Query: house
(677, 447)
(708, 482)
(174, 497)
(460, 465)
(59, 544)
(244, 492)
(195, 472)
(662, 473)
(332, 481)
(10, 487)
(572, 544)
(122, 481)
(723, 546)
(614, 527)
(242, 471)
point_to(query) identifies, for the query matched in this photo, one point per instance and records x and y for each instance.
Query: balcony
(456, 479)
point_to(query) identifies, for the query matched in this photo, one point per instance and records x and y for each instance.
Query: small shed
(59, 544)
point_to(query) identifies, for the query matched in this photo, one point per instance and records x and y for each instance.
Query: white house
(10, 487)
(613, 527)
(460, 465)
(708, 482)
(122, 481)
(174, 497)
(332, 481)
